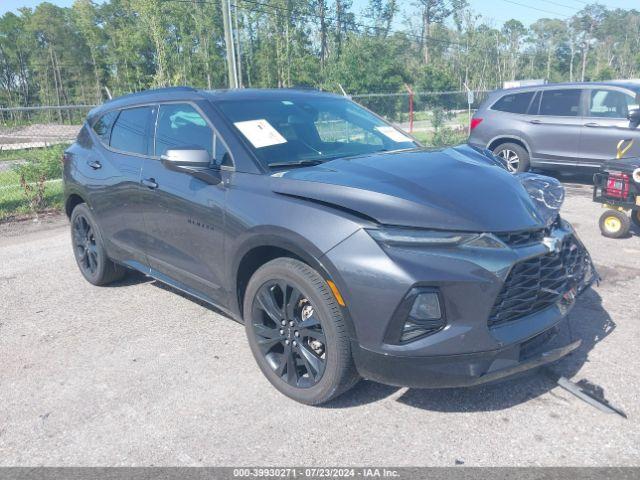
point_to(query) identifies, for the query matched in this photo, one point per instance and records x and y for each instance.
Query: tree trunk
(322, 13)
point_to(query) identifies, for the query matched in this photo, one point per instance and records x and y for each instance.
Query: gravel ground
(136, 374)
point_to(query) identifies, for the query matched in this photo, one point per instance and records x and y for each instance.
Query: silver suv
(556, 126)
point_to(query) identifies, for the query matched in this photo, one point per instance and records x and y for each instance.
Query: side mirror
(195, 162)
(634, 117)
(194, 158)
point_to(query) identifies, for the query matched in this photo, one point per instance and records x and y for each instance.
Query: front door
(605, 124)
(555, 131)
(184, 216)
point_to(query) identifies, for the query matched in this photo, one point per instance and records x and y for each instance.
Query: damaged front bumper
(449, 371)
(487, 337)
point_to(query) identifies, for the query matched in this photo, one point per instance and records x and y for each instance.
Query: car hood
(459, 188)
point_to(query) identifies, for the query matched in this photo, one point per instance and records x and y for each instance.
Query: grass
(13, 201)
(43, 163)
(13, 154)
(445, 138)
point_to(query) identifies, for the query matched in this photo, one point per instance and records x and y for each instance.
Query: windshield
(293, 131)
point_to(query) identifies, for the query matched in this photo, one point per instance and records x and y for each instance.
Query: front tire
(515, 156)
(297, 333)
(614, 224)
(94, 264)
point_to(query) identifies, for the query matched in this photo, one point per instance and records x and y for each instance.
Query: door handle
(592, 124)
(94, 164)
(535, 122)
(150, 183)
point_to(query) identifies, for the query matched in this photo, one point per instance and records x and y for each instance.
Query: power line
(335, 19)
(557, 4)
(329, 19)
(535, 8)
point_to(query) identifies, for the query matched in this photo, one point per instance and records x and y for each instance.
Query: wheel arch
(263, 247)
(495, 142)
(72, 201)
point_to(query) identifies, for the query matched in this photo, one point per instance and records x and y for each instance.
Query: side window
(560, 103)
(130, 132)
(610, 104)
(103, 126)
(514, 103)
(181, 126)
(222, 157)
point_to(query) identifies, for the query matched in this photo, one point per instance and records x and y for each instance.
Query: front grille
(522, 238)
(537, 283)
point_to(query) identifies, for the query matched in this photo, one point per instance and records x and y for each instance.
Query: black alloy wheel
(289, 334)
(94, 264)
(84, 242)
(297, 332)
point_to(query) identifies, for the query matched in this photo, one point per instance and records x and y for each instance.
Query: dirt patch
(24, 224)
(617, 274)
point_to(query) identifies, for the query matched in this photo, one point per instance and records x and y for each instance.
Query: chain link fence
(430, 110)
(32, 140)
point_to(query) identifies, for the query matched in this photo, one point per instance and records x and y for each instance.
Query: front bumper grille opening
(537, 283)
(522, 238)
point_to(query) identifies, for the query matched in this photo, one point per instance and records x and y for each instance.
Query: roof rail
(180, 88)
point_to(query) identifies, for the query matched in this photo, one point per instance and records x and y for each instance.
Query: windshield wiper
(299, 163)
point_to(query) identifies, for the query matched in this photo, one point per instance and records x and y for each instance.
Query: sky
(527, 11)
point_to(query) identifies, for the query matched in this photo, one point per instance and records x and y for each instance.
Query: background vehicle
(344, 247)
(557, 126)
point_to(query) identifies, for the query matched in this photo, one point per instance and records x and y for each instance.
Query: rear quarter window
(514, 103)
(102, 127)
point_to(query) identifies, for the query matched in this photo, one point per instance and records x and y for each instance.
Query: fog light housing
(419, 314)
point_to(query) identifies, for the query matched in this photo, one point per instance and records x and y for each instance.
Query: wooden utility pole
(239, 49)
(229, 43)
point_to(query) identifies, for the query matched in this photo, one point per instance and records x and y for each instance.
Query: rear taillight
(617, 185)
(475, 122)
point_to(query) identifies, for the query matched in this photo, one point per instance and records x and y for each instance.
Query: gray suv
(558, 126)
(344, 247)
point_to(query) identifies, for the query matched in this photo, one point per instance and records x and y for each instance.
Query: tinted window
(310, 129)
(129, 133)
(221, 153)
(561, 103)
(181, 126)
(103, 126)
(611, 104)
(515, 103)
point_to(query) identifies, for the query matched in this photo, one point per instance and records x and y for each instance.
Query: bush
(39, 167)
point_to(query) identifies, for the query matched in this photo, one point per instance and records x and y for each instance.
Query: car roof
(629, 84)
(188, 93)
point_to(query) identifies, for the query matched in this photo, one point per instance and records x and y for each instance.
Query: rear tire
(614, 224)
(515, 156)
(297, 333)
(88, 248)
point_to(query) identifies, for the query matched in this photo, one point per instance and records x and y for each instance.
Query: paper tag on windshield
(260, 133)
(393, 134)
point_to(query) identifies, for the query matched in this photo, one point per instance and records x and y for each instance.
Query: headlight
(397, 236)
(636, 175)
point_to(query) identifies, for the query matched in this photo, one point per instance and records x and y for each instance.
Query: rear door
(116, 199)
(184, 216)
(606, 123)
(555, 127)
